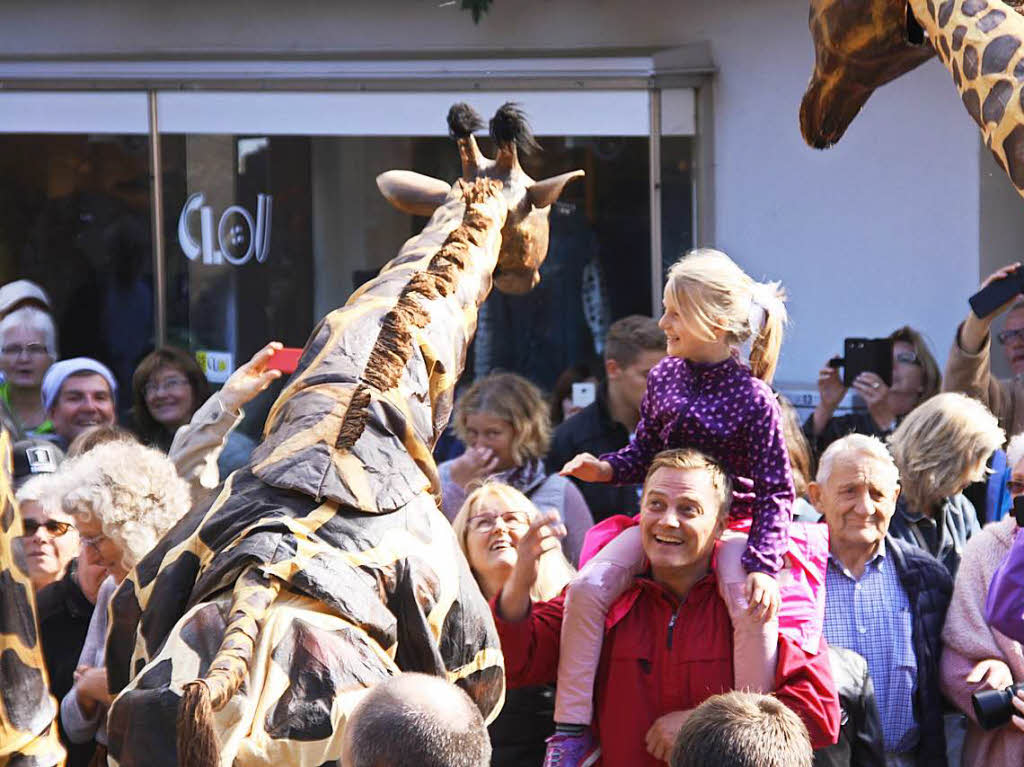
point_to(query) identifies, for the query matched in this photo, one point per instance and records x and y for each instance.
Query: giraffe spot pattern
(973, 103)
(945, 12)
(943, 48)
(973, 7)
(970, 62)
(931, 8)
(1013, 148)
(958, 37)
(1018, 71)
(13, 619)
(957, 79)
(991, 20)
(998, 54)
(23, 688)
(995, 102)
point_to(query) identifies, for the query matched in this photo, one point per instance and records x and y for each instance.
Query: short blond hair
(742, 729)
(938, 441)
(688, 458)
(710, 292)
(133, 491)
(514, 399)
(553, 570)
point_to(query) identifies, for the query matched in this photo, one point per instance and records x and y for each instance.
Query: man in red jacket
(668, 641)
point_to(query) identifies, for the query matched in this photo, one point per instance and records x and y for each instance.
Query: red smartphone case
(286, 360)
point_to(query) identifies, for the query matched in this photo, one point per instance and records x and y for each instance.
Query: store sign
(217, 365)
(238, 238)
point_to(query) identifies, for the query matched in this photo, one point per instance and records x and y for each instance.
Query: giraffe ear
(413, 192)
(544, 192)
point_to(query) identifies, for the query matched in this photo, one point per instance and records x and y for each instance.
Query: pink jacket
(968, 639)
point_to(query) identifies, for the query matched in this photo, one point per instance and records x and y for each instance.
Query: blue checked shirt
(871, 616)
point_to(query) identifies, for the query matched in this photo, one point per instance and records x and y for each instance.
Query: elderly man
(668, 645)
(633, 346)
(885, 599)
(416, 719)
(968, 367)
(78, 393)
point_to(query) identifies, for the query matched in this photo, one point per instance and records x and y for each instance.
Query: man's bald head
(416, 720)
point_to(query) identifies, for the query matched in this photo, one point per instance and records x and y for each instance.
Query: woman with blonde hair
(941, 447)
(503, 421)
(499, 529)
(123, 498)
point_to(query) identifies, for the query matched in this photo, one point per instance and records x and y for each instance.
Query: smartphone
(583, 393)
(991, 297)
(860, 355)
(286, 360)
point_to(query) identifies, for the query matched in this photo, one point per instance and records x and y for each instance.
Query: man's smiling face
(680, 519)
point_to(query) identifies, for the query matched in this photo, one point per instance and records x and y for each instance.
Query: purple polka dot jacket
(723, 411)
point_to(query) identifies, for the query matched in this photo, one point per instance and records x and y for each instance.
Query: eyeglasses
(170, 384)
(1005, 336)
(52, 526)
(485, 523)
(31, 350)
(909, 358)
(94, 541)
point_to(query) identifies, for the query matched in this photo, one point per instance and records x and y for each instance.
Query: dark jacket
(64, 615)
(860, 734)
(929, 588)
(592, 430)
(955, 522)
(526, 720)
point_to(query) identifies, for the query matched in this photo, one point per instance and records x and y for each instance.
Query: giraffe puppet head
(859, 45)
(524, 237)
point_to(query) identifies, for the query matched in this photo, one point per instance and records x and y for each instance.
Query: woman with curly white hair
(123, 498)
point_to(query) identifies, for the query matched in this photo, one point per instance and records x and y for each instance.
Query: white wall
(881, 230)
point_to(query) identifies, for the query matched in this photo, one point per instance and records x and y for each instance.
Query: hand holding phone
(285, 359)
(998, 290)
(865, 355)
(583, 394)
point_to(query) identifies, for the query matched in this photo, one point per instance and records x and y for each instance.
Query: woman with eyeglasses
(170, 391)
(498, 528)
(915, 378)
(503, 421)
(123, 497)
(28, 346)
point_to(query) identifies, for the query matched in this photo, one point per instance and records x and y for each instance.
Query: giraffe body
(325, 565)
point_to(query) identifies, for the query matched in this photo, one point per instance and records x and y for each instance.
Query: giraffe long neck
(979, 41)
(358, 421)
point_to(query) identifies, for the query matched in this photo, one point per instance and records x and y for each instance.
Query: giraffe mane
(395, 341)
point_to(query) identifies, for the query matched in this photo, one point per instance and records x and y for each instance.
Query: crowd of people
(679, 571)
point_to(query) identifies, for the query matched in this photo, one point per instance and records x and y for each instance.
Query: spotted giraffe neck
(979, 41)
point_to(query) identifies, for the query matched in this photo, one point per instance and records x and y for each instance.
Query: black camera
(990, 298)
(872, 355)
(992, 708)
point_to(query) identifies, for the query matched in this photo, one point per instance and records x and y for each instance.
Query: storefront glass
(75, 218)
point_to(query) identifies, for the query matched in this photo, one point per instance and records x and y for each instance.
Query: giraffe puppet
(252, 629)
(28, 730)
(861, 45)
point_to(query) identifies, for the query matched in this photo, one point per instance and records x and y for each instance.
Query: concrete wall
(879, 231)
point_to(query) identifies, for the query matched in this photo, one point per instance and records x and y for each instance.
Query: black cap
(35, 456)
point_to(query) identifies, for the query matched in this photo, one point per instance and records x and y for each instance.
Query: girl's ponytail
(768, 319)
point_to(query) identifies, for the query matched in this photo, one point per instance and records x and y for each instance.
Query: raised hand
(544, 535)
(587, 468)
(875, 393)
(477, 462)
(250, 379)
